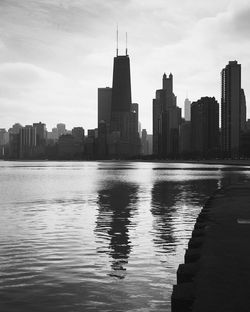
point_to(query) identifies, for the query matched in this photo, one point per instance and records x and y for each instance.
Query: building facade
(205, 128)
(187, 109)
(166, 121)
(123, 133)
(231, 96)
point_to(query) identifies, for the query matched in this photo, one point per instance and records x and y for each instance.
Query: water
(98, 236)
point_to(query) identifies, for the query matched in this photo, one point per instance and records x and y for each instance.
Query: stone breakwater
(215, 275)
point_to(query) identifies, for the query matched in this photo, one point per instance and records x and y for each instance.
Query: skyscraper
(243, 110)
(104, 105)
(231, 109)
(123, 131)
(40, 133)
(61, 128)
(187, 109)
(205, 127)
(166, 120)
(121, 97)
(28, 141)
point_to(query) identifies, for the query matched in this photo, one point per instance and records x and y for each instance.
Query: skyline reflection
(116, 204)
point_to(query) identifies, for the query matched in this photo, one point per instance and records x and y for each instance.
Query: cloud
(23, 74)
(56, 53)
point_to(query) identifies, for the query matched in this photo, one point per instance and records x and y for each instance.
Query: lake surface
(98, 236)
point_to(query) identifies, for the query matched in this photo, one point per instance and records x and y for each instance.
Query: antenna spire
(126, 43)
(117, 40)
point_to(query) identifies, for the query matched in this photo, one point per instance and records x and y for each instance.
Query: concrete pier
(216, 272)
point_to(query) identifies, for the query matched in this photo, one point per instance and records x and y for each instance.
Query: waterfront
(98, 236)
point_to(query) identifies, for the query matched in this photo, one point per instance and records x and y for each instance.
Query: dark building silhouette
(104, 105)
(14, 141)
(121, 98)
(61, 129)
(41, 137)
(144, 143)
(104, 120)
(66, 147)
(231, 98)
(91, 144)
(245, 144)
(102, 140)
(40, 133)
(185, 149)
(78, 135)
(205, 127)
(134, 135)
(14, 146)
(121, 94)
(123, 133)
(28, 142)
(156, 115)
(166, 120)
(4, 140)
(243, 110)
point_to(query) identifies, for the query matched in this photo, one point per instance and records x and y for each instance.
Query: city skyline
(56, 54)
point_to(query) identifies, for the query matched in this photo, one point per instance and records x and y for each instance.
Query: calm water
(98, 236)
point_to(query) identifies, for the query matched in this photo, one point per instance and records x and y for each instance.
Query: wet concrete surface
(216, 273)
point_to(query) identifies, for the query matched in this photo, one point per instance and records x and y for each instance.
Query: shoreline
(229, 162)
(215, 275)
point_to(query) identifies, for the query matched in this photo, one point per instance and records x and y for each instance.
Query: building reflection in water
(168, 198)
(117, 203)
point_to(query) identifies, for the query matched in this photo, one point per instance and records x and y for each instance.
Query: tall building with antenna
(123, 136)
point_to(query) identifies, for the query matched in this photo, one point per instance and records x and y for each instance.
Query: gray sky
(54, 54)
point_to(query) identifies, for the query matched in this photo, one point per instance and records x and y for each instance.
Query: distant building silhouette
(123, 132)
(187, 109)
(104, 120)
(205, 127)
(61, 129)
(134, 130)
(144, 143)
(41, 137)
(90, 144)
(66, 147)
(185, 149)
(78, 134)
(28, 142)
(102, 140)
(14, 141)
(166, 120)
(52, 136)
(4, 140)
(15, 129)
(231, 109)
(150, 144)
(243, 110)
(104, 105)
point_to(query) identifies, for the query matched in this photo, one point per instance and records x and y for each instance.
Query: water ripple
(98, 236)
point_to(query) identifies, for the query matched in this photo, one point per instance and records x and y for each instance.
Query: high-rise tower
(231, 109)
(166, 120)
(124, 121)
(121, 96)
(205, 127)
(187, 109)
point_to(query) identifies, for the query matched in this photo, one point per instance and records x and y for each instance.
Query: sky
(55, 54)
